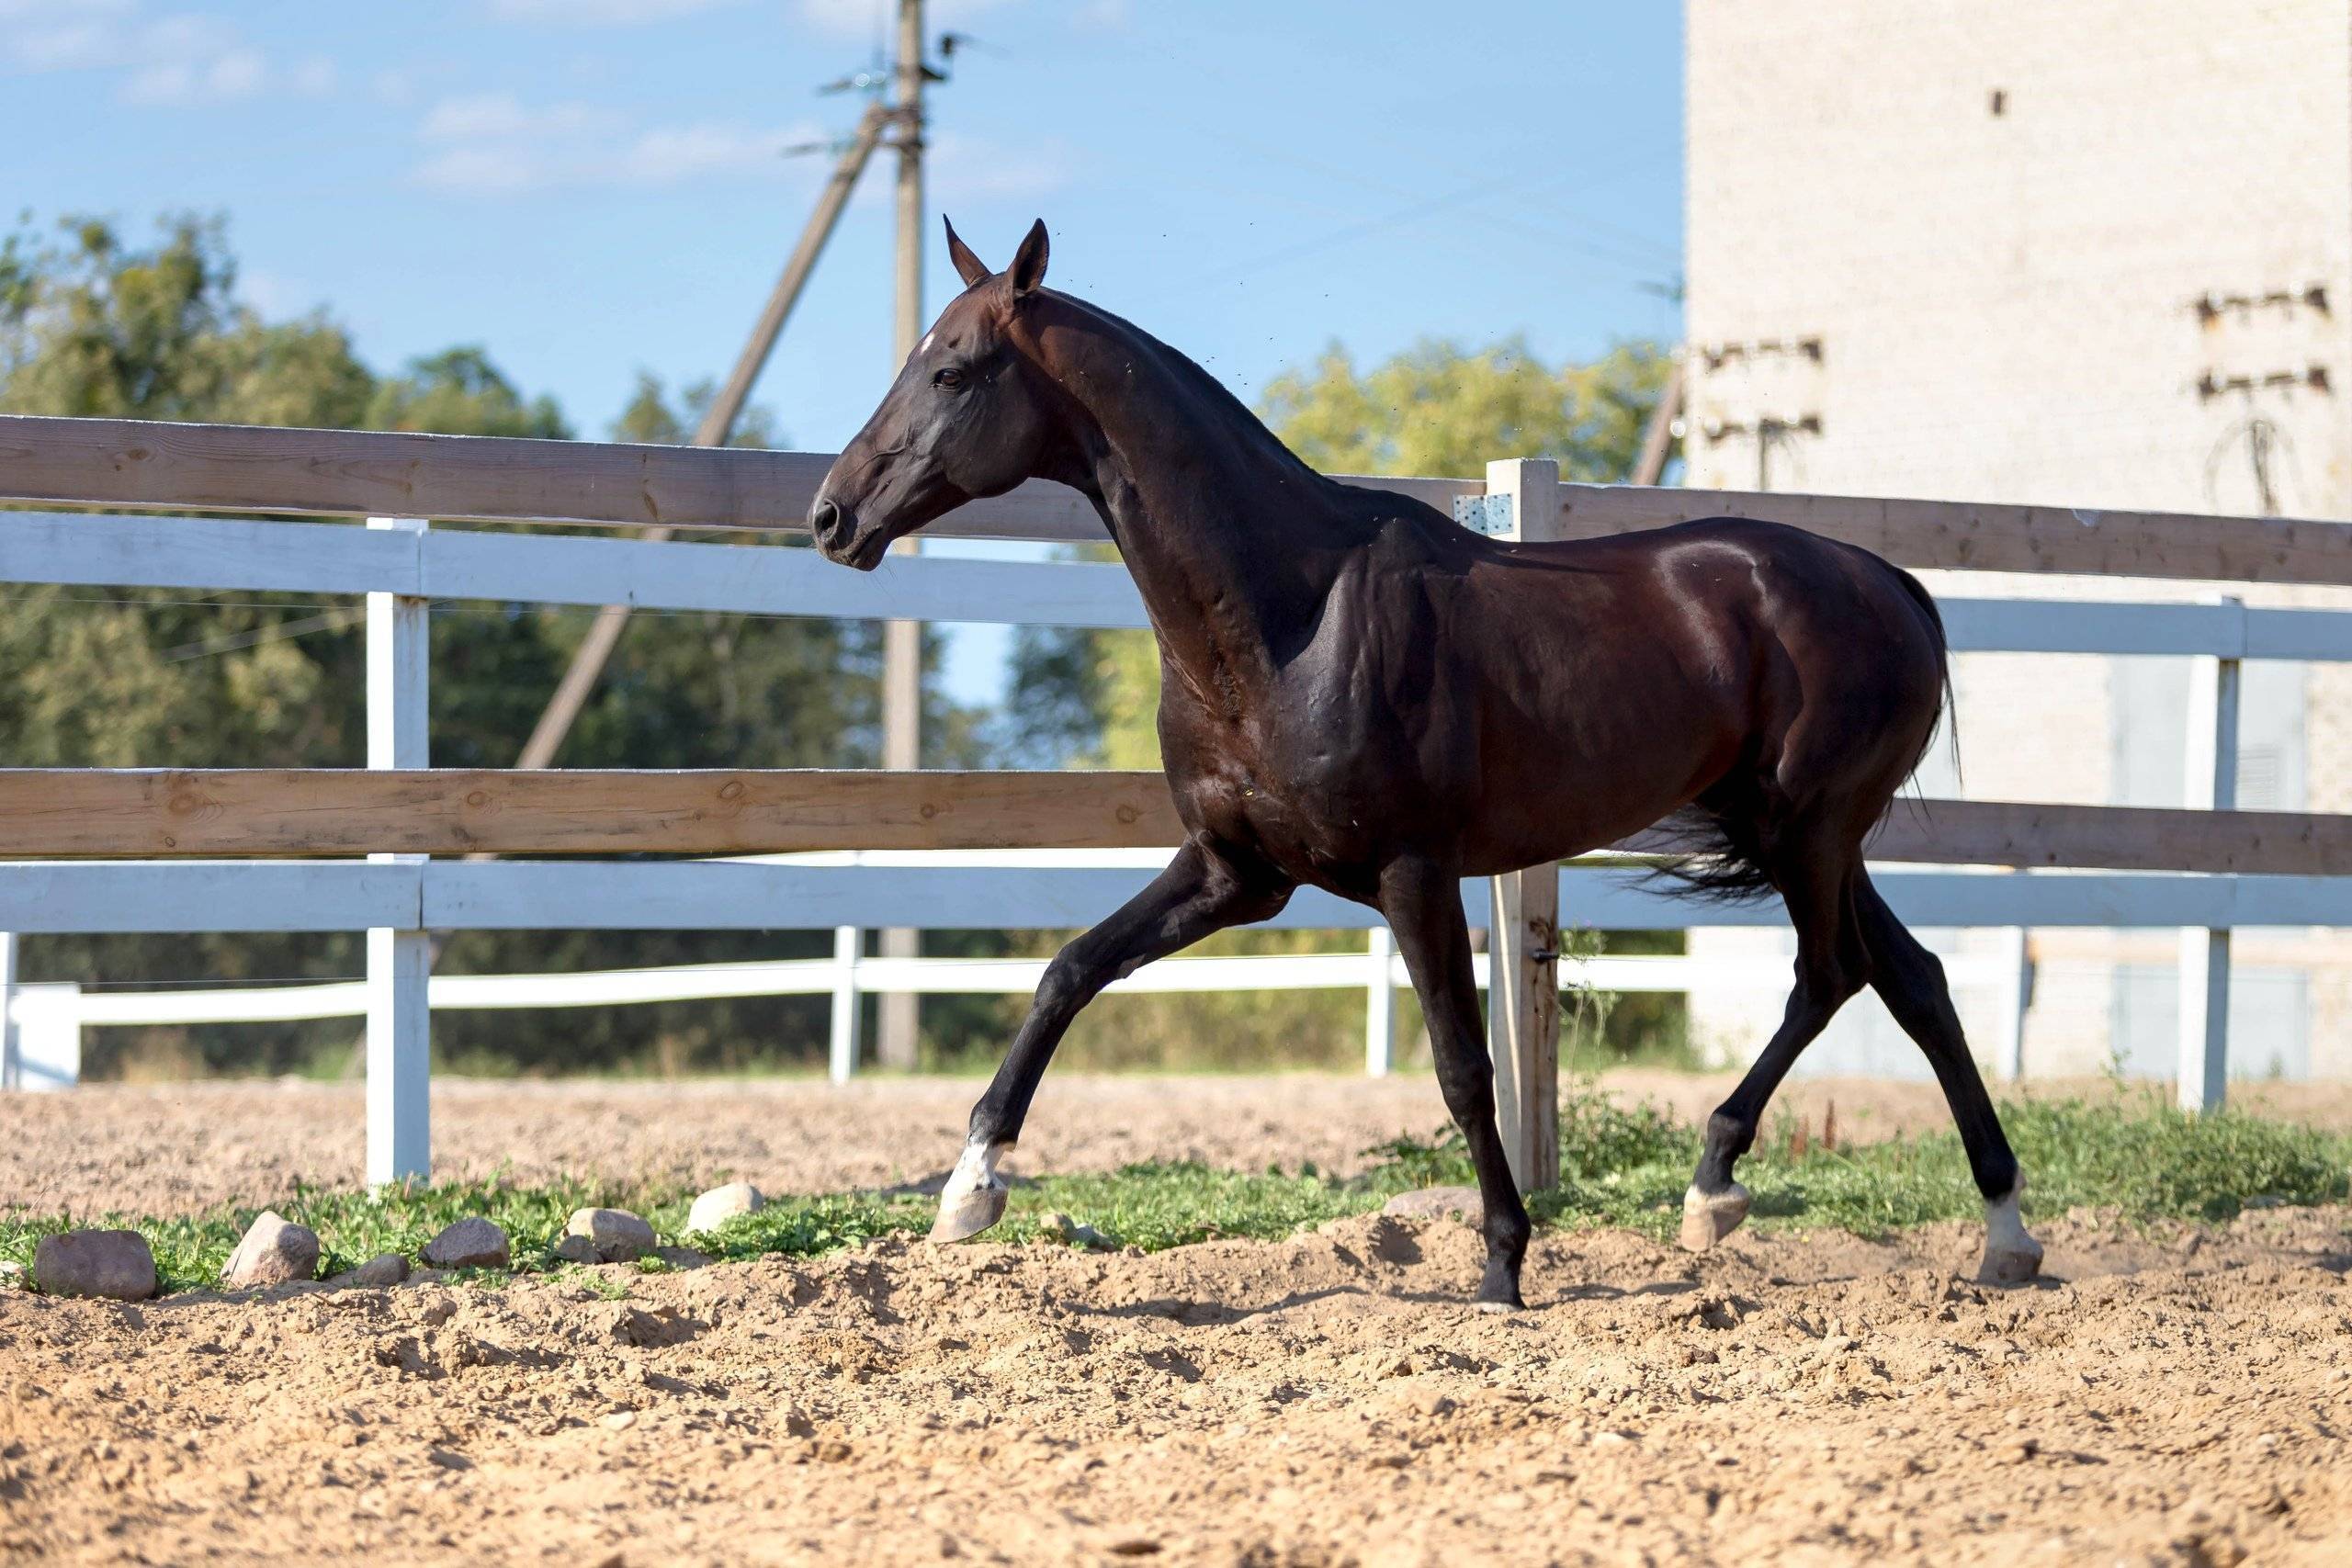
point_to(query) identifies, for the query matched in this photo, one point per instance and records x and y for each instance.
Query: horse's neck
(1232, 541)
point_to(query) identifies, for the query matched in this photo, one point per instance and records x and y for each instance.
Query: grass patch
(1620, 1166)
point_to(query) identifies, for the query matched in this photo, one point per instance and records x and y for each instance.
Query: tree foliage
(92, 324)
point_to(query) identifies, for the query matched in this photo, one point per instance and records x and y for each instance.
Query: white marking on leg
(972, 1173)
(2011, 1255)
(2004, 1226)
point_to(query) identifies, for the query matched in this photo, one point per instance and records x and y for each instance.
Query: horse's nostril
(824, 520)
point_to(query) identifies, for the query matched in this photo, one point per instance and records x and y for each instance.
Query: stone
(12, 1275)
(683, 1257)
(472, 1243)
(117, 1264)
(617, 1236)
(375, 1274)
(1070, 1233)
(275, 1251)
(720, 1204)
(1436, 1203)
(575, 1249)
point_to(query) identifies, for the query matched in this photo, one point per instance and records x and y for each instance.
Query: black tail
(1718, 855)
(1716, 841)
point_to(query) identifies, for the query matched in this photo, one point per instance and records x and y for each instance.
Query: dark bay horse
(1360, 696)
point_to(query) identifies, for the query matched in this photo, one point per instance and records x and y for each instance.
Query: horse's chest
(1301, 803)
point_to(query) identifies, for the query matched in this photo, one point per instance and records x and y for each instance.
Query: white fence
(400, 566)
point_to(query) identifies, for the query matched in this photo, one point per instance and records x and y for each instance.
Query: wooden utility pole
(1657, 437)
(894, 1038)
(718, 424)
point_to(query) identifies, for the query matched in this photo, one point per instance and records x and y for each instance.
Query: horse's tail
(1718, 856)
(1717, 840)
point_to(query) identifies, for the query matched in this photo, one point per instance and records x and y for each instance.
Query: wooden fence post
(1380, 1004)
(2210, 780)
(399, 963)
(1524, 980)
(2016, 996)
(840, 1056)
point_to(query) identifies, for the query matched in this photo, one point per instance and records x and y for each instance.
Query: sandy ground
(2175, 1399)
(181, 1149)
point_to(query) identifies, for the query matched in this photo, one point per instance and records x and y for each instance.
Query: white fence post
(400, 965)
(841, 1059)
(11, 1065)
(2210, 780)
(1523, 502)
(45, 1021)
(1380, 1004)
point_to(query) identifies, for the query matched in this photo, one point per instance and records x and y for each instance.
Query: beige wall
(1934, 299)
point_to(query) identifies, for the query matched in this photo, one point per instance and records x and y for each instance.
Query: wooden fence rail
(287, 813)
(134, 464)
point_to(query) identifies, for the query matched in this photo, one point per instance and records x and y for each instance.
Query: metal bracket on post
(2210, 780)
(399, 963)
(1523, 977)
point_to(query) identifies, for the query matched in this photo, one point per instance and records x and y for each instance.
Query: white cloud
(493, 145)
(602, 13)
(224, 78)
(501, 116)
(315, 77)
(671, 154)
(180, 60)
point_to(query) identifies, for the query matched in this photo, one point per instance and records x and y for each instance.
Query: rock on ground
(94, 1263)
(472, 1243)
(617, 1236)
(720, 1204)
(375, 1274)
(275, 1251)
(1437, 1203)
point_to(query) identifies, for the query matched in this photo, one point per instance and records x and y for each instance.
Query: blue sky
(590, 188)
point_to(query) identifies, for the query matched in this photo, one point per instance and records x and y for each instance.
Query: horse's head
(967, 417)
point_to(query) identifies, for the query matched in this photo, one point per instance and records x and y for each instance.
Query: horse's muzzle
(832, 525)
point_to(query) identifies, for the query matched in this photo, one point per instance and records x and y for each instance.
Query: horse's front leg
(1423, 902)
(1204, 890)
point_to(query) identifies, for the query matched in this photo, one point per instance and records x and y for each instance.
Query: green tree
(460, 392)
(92, 324)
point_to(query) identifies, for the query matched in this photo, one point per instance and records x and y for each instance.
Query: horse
(1360, 695)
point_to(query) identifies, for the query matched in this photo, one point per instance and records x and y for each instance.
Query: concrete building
(2092, 253)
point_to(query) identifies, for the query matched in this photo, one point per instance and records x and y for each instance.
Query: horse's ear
(1028, 269)
(969, 268)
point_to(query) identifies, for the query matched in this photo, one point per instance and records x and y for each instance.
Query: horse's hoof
(2011, 1256)
(1499, 1307)
(1708, 1217)
(960, 1219)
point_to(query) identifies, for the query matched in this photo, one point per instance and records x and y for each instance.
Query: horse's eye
(950, 377)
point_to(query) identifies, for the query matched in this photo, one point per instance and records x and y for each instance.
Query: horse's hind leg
(1815, 873)
(1910, 980)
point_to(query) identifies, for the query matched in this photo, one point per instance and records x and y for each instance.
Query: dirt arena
(2179, 1396)
(185, 1148)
